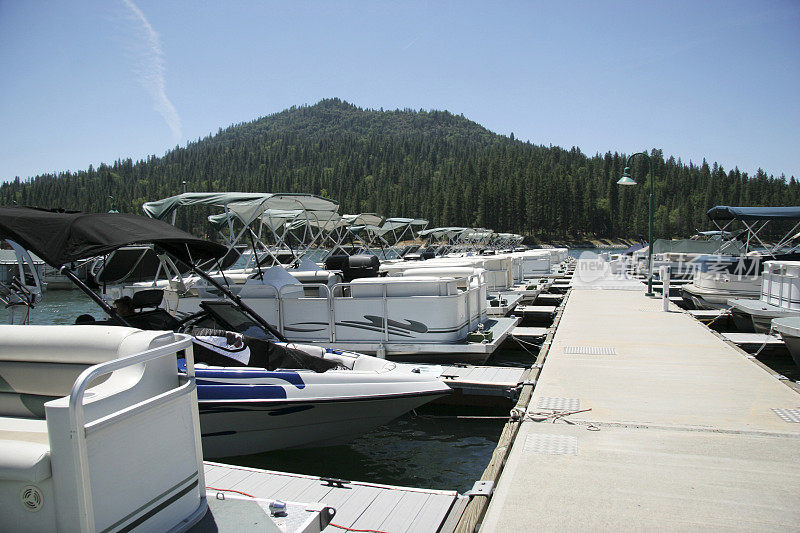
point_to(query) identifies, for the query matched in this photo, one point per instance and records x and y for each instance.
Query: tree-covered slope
(429, 164)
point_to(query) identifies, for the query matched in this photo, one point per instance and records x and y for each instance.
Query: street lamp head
(626, 178)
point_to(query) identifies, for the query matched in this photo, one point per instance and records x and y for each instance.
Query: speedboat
(780, 298)
(313, 397)
(245, 410)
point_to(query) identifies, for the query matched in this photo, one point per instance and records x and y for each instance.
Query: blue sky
(93, 81)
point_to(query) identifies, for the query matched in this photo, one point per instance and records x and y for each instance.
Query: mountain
(424, 164)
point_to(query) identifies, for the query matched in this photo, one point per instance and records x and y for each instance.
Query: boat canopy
(274, 218)
(246, 205)
(63, 237)
(362, 219)
(694, 246)
(724, 212)
(446, 232)
(393, 224)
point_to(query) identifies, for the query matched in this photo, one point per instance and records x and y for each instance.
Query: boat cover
(246, 205)
(63, 237)
(633, 248)
(362, 219)
(724, 212)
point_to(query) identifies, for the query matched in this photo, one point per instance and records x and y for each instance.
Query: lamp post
(626, 179)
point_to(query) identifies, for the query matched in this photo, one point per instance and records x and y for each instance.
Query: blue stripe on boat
(240, 392)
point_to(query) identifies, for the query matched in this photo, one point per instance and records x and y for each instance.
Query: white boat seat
(404, 286)
(37, 365)
(23, 460)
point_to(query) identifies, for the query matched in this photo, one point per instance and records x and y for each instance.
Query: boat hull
(244, 428)
(789, 329)
(703, 298)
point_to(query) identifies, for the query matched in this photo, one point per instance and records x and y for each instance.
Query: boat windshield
(230, 318)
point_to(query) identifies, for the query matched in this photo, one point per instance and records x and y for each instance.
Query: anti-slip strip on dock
(560, 404)
(590, 350)
(788, 415)
(548, 444)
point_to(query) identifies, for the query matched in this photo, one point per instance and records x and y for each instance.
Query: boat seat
(23, 460)
(147, 298)
(40, 364)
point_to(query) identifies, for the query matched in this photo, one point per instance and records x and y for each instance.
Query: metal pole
(91, 294)
(238, 301)
(650, 238)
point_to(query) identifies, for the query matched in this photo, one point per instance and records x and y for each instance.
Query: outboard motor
(427, 253)
(354, 266)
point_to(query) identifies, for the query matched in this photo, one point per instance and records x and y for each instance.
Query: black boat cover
(63, 237)
(724, 212)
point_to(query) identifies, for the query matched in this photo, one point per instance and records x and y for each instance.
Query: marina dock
(644, 419)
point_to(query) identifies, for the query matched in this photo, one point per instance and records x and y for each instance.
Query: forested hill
(427, 164)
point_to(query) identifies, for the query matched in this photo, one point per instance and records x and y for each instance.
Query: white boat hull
(231, 429)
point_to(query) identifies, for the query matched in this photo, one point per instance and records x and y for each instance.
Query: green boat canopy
(247, 206)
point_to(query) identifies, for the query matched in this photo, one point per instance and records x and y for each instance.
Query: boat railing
(780, 284)
(472, 287)
(183, 396)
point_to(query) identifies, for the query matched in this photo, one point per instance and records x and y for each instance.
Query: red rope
(231, 490)
(359, 530)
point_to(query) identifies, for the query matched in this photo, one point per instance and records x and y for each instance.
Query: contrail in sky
(152, 69)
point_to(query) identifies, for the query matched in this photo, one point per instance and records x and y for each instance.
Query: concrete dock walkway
(682, 432)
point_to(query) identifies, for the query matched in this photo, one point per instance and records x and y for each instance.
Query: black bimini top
(62, 237)
(724, 212)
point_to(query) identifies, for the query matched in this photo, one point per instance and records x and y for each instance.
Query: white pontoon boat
(718, 278)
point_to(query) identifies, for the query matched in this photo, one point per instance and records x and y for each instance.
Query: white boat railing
(471, 288)
(780, 284)
(81, 432)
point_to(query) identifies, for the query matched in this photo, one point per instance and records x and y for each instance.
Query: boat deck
(484, 380)
(359, 506)
(536, 312)
(644, 419)
(754, 341)
(548, 299)
(510, 300)
(441, 353)
(528, 333)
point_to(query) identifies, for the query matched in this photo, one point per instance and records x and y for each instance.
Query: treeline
(424, 164)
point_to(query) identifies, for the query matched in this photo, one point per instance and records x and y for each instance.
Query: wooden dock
(481, 389)
(359, 506)
(536, 312)
(548, 299)
(647, 420)
(528, 333)
(752, 342)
